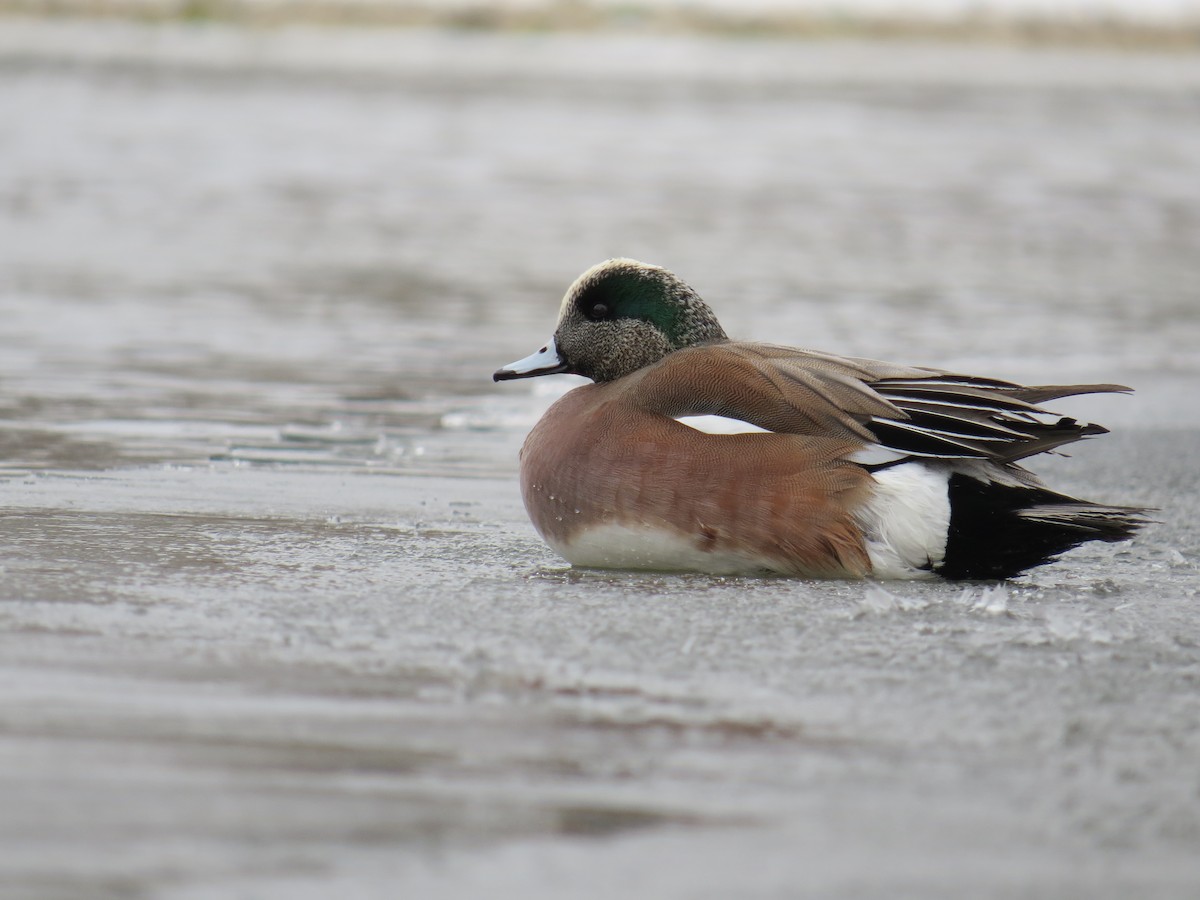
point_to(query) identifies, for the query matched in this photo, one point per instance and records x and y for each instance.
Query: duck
(692, 452)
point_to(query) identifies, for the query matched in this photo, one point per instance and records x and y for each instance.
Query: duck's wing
(909, 410)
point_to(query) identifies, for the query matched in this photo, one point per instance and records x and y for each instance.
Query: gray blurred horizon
(1173, 24)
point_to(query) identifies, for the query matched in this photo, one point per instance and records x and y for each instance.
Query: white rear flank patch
(720, 425)
(906, 522)
(615, 546)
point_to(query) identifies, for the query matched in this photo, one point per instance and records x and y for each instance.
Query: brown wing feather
(917, 411)
(786, 391)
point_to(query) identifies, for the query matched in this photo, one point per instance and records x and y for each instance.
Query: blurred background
(272, 619)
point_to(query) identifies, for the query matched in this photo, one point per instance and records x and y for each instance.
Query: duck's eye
(598, 311)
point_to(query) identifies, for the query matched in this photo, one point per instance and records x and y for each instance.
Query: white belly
(614, 546)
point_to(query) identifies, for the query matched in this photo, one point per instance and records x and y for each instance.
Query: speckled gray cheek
(604, 351)
(572, 338)
(631, 345)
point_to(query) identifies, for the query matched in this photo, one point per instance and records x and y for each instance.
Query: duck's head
(616, 318)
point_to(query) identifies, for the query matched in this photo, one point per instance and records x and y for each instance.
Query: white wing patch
(720, 425)
(876, 455)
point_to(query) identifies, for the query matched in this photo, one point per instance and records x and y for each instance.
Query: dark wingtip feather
(954, 417)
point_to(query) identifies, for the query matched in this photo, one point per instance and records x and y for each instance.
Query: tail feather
(1000, 530)
(1040, 393)
(1099, 523)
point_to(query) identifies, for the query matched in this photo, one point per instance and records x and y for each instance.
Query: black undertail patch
(998, 531)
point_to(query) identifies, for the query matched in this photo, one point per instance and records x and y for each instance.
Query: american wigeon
(842, 467)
